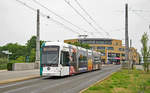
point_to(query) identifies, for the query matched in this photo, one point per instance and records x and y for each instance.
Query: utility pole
(131, 55)
(126, 38)
(38, 39)
(107, 61)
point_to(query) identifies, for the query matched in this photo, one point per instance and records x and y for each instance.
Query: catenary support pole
(126, 63)
(38, 39)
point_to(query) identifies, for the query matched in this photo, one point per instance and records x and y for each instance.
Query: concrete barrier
(23, 66)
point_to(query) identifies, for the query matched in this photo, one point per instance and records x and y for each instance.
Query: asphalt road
(71, 84)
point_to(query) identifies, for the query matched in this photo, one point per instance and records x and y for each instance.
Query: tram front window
(50, 55)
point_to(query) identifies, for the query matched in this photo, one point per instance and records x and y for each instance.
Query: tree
(20, 53)
(31, 44)
(31, 48)
(102, 51)
(16, 49)
(21, 59)
(145, 51)
(32, 55)
(80, 45)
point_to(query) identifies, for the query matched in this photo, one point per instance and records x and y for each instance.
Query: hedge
(9, 66)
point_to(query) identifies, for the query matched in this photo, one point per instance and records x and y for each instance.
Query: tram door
(64, 61)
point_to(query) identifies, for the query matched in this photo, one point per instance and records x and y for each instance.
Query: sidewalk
(13, 76)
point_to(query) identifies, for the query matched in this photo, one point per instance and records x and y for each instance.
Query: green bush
(3, 66)
(9, 66)
(3, 63)
(16, 61)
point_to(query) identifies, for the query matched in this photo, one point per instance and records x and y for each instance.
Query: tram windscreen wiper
(52, 59)
(50, 56)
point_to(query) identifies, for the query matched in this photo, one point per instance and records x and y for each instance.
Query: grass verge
(123, 81)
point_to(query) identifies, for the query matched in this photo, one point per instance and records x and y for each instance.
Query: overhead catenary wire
(82, 17)
(38, 3)
(48, 17)
(131, 9)
(91, 17)
(144, 11)
(141, 16)
(23, 3)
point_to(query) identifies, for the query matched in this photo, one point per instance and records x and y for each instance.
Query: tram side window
(82, 59)
(96, 60)
(64, 58)
(74, 57)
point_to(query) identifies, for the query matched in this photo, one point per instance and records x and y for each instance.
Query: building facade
(112, 50)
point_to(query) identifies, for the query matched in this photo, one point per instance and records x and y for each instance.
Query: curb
(3, 71)
(98, 82)
(18, 79)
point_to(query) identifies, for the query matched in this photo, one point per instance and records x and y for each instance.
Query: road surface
(71, 84)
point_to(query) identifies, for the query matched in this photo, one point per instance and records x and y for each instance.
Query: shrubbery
(9, 66)
(3, 63)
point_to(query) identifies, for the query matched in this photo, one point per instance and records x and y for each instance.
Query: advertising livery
(61, 59)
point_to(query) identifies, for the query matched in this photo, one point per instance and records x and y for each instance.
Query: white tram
(61, 59)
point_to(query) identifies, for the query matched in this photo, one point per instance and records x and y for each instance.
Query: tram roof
(66, 45)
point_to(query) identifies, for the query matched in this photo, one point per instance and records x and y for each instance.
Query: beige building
(111, 49)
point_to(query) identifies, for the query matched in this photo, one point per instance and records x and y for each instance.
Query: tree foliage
(20, 52)
(145, 51)
(80, 45)
(32, 55)
(16, 49)
(31, 48)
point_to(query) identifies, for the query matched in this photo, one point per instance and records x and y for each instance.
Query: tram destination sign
(50, 49)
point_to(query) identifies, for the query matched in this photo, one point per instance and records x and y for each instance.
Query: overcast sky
(18, 23)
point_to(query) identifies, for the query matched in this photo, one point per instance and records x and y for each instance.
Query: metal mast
(38, 39)
(126, 34)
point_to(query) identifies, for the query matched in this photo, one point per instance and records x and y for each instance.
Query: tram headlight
(48, 68)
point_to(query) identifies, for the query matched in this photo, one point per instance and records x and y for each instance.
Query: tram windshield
(50, 55)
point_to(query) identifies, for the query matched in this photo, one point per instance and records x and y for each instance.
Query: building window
(91, 42)
(101, 48)
(121, 49)
(103, 42)
(99, 42)
(103, 54)
(108, 42)
(111, 55)
(116, 43)
(88, 41)
(110, 48)
(123, 55)
(117, 54)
